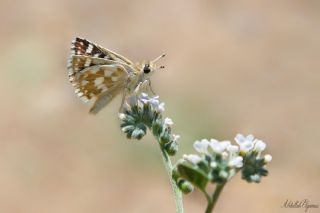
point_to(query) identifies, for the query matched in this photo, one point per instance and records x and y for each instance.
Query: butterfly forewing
(97, 73)
(80, 46)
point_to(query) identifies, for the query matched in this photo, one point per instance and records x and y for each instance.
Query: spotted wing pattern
(80, 46)
(91, 82)
(85, 54)
(96, 73)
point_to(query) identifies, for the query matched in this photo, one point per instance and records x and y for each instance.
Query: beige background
(231, 66)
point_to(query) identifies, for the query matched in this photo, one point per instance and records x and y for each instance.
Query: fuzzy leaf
(194, 176)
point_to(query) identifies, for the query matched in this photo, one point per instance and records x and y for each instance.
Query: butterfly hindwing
(105, 98)
(77, 63)
(91, 82)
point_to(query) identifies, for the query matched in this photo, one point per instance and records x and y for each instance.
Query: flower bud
(185, 186)
(267, 158)
(171, 148)
(165, 138)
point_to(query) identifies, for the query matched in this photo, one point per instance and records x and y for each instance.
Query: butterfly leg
(145, 87)
(127, 91)
(139, 88)
(150, 87)
(124, 96)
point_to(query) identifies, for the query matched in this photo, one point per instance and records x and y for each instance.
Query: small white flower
(213, 141)
(246, 143)
(168, 122)
(225, 155)
(161, 107)
(242, 139)
(233, 149)
(218, 147)
(225, 144)
(223, 174)
(246, 146)
(259, 145)
(255, 178)
(267, 158)
(144, 97)
(239, 138)
(236, 162)
(201, 146)
(154, 103)
(175, 137)
(122, 116)
(194, 159)
(213, 164)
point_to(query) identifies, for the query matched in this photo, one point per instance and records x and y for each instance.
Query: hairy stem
(176, 190)
(212, 202)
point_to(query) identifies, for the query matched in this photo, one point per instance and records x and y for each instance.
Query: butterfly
(98, 74)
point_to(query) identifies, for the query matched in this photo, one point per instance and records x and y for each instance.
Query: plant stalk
(176, 190)
(213, 200)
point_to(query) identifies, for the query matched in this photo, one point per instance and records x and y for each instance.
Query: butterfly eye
(146, 69)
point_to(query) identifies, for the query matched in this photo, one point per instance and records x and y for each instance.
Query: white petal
(225, 144)
(122, 116)
(154, 103)
(249, 137)
(144, 98)
(144, 95)
(176, 137)
(223, 174)
(213, 164)
(213, 141)
(255, 178)
(259, 145)
(194, 159)
(233, 149)
(168, 121)
(267, 158)
(239, 139)
(201, 146)
(246, 147)
(161, 107)
(236, 162)
(225, 155)
(217, 147)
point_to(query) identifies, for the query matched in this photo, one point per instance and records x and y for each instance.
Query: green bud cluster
(143, 115)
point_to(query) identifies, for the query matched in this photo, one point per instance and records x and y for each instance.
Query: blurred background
(232, 66)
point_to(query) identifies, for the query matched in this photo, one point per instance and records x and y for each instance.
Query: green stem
(176, 190)
(207, 195)
(212, 202)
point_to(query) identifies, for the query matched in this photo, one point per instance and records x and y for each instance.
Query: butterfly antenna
(159, 57)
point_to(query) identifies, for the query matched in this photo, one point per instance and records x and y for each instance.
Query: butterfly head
(150, 67)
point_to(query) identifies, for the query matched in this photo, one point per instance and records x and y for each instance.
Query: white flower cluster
(249, 143)
(153, 101)
(232, 155)
(208, 147)
(142, 99)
